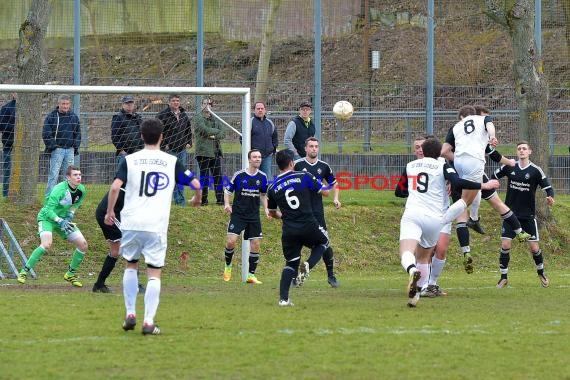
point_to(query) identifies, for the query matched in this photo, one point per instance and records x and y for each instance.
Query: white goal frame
(243, 92)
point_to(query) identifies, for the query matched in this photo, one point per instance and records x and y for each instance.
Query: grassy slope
(364, 234)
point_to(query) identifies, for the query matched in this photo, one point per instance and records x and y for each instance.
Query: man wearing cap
(125, 129)
(299, 129)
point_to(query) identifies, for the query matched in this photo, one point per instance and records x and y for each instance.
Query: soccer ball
(343, 110)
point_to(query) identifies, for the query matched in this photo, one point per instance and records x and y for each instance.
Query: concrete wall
(234, 20)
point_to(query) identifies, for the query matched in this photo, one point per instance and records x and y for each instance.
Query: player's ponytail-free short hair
(71, 168)
(481, 109)
(151, 129)
(309, 139)
(465, 111)
(524, 142)
(252, 151)
(431, 148)
(283, 158)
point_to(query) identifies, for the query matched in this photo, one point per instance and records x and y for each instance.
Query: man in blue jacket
(62, 138)
(7, 123)
(264, 137)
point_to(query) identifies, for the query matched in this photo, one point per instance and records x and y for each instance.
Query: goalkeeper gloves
(66, 226)
(70, 215)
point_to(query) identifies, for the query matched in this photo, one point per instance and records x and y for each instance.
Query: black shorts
(252, 228)
(528, 225)
(321, 220)
(293, 240)
(487, 194)
(111, 233)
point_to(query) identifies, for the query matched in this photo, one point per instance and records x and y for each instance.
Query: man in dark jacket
(209, 134)
(7, 123)
(125, 129)
(299, 129)
(62, 138)
(177, 136)
(264, 137)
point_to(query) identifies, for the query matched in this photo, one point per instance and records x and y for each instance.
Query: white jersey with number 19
(427, 187)
(150, 177)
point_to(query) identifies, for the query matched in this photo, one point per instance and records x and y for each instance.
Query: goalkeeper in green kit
(57, 216)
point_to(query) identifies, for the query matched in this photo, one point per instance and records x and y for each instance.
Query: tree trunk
(32, 69)
(262, 83)
(531, 87)
(566, 10)
(88, 4)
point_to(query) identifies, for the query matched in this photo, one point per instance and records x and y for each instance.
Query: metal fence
(149, 42)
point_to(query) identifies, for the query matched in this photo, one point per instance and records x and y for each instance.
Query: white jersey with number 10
(148, 191)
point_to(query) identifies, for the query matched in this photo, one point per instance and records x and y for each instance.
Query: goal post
(243, 92)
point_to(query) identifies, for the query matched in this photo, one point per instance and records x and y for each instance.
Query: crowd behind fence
(390, 102)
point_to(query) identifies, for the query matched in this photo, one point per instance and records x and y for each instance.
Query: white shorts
(446, 229)
(152, 245)
(468, 167)
(423, 228)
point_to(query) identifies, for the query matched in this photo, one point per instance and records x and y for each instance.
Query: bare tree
(566, 10)
(32, 69)
(531, 87)
(265, 52)
(88, 4)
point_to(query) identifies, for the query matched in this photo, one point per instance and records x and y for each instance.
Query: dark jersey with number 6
(292, 192)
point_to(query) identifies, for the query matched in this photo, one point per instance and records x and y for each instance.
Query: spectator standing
(299, 129)
(209, 133)
(264, 137)
(7, 123)
(62, 138)
(125, 129)
(177, 137)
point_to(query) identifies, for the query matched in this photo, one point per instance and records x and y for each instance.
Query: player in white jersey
(465, 145)
(428, 284)
(150, 176)
(425, 181)
(467, 160)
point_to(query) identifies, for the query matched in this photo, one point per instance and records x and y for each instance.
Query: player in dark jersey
(292, 192)
(323, 172)
(249, 187)
(523, 180)
(113, 236)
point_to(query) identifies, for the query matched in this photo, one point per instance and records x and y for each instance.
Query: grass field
(362, 330)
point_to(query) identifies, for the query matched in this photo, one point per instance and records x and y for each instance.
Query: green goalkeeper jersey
(60, 200)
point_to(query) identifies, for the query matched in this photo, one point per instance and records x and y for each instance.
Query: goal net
(39, 132)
